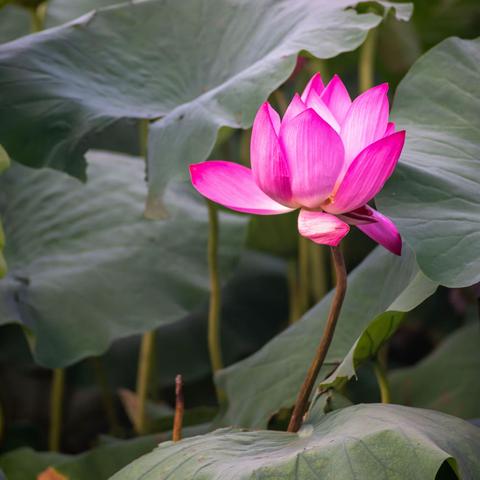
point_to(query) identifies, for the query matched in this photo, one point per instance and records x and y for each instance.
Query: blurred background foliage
(436, 339)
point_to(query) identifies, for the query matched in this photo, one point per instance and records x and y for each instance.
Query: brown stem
(326, 340)
(179, 408)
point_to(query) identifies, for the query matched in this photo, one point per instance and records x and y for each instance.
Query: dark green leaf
(83, 259)
(447, 380)
(434, 193)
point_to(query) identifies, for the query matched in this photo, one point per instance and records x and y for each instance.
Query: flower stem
(179, 408)
(2, 423)
(106, 394)
(147, 347)
(381, 374)
(144, 374)
(303, 274)
(294, 301)
(214, 338)
(37, 15)
(319, 271)
(322, 349)
(366, 65)
(56, 409)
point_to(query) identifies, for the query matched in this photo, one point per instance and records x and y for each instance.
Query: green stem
(322, 349)
(366, 67)
(144, 374)
(56, 409)
(143, 137)
(106, 394)
(147, 347)
(214, 338)
(37, 15)
(303, 273)
(319, 271)
(294, 299)
(2, 424)
(381, 374)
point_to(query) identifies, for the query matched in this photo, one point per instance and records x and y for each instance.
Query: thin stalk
(2, 424)
(294, 298)
(303, 274)
(366, 66)
(245, 147)
(143, 137)
(144, 375)
(37, 15)
(214, 338)
(147, 346)
(179, 408)
(56, 409)
(319, 269)
(322, 349)
(380, 368)
(106, 394)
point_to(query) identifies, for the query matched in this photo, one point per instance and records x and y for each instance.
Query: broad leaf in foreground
(83, 259)
(374, 442)
(262, 384)
(194, 66)
(446, 380)
(434, 194)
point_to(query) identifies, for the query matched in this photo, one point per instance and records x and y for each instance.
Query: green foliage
(150, 78)
(381, 329)
(83, 259)
(99, 463)
(434, 194)
(269, 380)
(447, 380)
(364, 441)
(87, 269)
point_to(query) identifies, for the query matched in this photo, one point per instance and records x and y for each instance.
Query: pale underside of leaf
(195, 65)
(434, 194)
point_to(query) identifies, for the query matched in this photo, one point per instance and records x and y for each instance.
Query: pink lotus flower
(328, 157)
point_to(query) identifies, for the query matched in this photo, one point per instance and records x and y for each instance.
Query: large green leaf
(373, 442)
(381, 329)
(447, 380)
(434, 193)
(269, 380)
(83, 259)
(189, 66)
